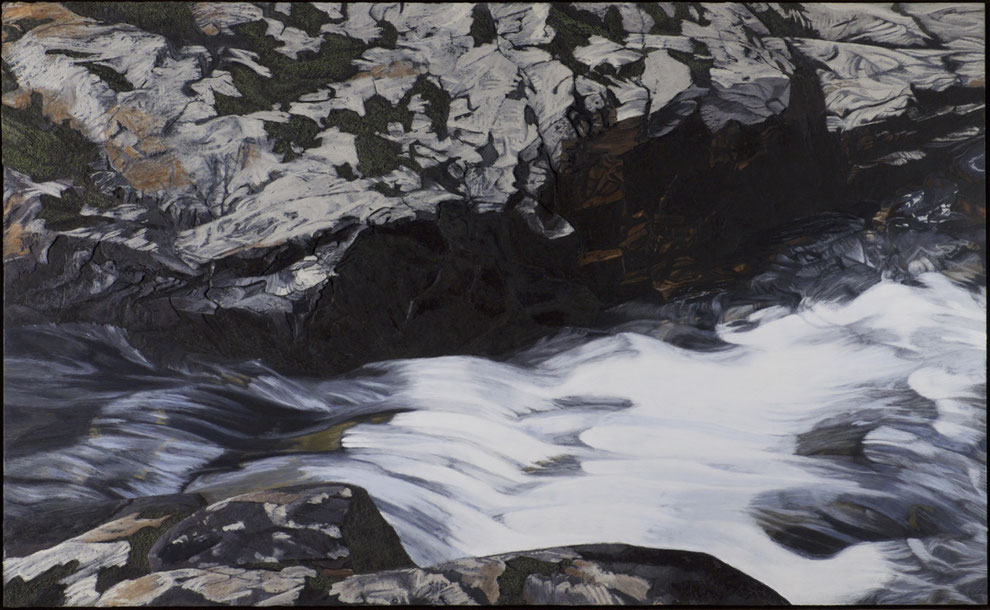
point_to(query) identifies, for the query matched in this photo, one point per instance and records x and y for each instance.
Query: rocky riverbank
(327, 544)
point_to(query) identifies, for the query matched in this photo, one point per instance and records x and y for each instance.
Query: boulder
(596, 574)
(334, 527)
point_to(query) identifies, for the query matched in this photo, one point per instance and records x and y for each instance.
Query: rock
(76, 572)
(335, 527)
(598, 574)
(218, 585)
(229, 177)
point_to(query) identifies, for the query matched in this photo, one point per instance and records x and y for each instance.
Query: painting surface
(595, 303)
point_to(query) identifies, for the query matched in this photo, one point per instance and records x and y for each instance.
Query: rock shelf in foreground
(328, 544)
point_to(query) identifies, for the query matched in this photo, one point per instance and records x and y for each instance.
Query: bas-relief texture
(317, 186)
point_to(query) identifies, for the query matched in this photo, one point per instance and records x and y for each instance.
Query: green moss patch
(299, 130)
(662, 24)
(613, 25)
(306, 17)
(437, 104)
(385, 189)
(389, 36)
(69, 53)
(699, 62)
(346, 172)
(35, 146)
(517, 569)
(141, 542)
(170, 19)
(633, 69)
(291, 78)
(44, 590)
(482, 25)
(111, 77)
(377, 155)
(573, 28)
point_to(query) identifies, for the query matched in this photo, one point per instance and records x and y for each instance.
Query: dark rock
(327, 526)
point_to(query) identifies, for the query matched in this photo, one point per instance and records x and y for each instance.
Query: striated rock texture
(597, 574)
(320, 544)
(248, 549)
(325, 184)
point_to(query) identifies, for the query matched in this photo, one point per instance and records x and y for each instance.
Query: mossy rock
(299, 131)
(173, 20)
(42, 591)
(291, 78)
(141, 543)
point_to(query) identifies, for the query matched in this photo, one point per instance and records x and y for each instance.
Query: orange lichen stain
(63, 21)
(19, 98)
(148, 165)
(152, 145)
(976, 83)
(16, 11)
(16, 241)
(135, 121)
(249, 154)
(210, 29)
(156, 174)
(597, 256)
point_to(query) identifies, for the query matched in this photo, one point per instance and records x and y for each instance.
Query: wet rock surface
(319, 187)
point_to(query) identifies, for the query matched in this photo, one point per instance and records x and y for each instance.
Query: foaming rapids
(822, 429)
(834, 451)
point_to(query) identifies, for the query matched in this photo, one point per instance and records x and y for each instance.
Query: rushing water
(831, 445)
(845, 423)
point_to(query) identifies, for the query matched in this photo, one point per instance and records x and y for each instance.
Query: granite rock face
(323, 185)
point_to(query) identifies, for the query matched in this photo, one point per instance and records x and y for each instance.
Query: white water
(625, 438)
